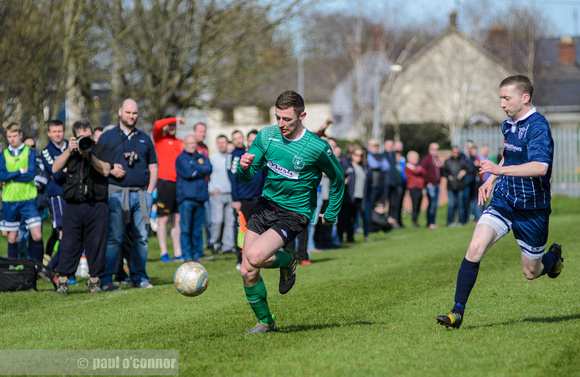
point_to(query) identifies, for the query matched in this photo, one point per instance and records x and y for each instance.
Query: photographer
(87, 165)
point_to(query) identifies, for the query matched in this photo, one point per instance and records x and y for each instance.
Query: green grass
(365, 310)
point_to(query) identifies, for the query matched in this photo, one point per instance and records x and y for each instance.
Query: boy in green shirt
(17, 171)
(294, 159)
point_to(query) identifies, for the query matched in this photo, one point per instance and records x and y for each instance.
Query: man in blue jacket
(245, 195)
(192, 169)
(56, 145)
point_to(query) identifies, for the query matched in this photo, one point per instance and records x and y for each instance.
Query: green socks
(283, 259)
(257, 298)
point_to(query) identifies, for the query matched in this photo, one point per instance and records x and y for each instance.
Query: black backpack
(18, 274)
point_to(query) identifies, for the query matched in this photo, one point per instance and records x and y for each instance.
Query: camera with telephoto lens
(131, 158)
(85, 143)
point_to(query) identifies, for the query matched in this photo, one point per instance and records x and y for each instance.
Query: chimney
(453, 19)
(567, 51)
(377, 37)
(497, 37)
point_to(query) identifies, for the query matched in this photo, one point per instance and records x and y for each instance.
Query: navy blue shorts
(15, 212)
(530, 226)
(56, 205)
(288, 224)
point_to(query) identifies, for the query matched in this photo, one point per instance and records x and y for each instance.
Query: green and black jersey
(294, 169)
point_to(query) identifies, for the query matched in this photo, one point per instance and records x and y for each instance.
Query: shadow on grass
(320, 260)
(297, 328)
(532, 319)
(553, 319)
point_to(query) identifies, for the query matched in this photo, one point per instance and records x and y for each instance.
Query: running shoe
(451, 319)
(288, 274)
(555, 271)
(262, 327)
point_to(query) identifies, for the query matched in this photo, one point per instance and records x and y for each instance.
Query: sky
(564, 15)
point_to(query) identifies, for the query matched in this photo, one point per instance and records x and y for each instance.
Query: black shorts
(288, 224)
(166, 197)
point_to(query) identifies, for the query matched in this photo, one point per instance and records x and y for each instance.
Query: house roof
(453, 30)
(559, 86)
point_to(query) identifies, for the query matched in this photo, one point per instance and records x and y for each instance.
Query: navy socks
(466, 278)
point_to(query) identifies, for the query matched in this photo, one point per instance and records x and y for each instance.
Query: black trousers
(85, 226)
(416, 198)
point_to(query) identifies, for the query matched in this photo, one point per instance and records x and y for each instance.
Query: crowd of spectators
(112, 183)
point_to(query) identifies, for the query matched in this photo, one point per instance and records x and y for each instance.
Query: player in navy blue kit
(521, 197)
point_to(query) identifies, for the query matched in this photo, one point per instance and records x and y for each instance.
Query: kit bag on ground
(17, 274)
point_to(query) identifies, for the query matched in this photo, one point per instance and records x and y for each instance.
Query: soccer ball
(190, 279)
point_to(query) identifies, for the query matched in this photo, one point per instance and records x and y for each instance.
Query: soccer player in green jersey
(294, 159)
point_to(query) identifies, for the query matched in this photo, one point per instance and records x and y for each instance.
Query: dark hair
(54, 122)
(82, 124)
(290, 99)
(522, 83)
(252, 132)
(237, 132)
(98, 129)
(222, 136)
(31, 138)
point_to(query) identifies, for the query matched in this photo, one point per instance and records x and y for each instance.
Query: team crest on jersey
(298, 163)
(522, 131)
(200, 160)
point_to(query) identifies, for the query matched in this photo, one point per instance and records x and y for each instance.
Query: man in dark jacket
(192, 170)
(454, 169)
(86, 215)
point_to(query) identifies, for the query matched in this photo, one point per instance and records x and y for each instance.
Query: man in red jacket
(431, 165)
(168, 147)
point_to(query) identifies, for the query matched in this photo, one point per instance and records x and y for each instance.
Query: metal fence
(566, 167)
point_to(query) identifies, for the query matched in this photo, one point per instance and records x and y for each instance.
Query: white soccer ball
(190, 279)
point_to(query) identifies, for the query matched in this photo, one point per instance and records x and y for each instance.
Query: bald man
(131, 183)
(192, 169)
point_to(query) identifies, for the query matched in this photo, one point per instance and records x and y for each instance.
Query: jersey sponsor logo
(273, 139)
(298, 163)
(282, 170)
(513, 148)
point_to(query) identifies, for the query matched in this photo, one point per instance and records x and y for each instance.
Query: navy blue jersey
(121, 145)
(526, 140)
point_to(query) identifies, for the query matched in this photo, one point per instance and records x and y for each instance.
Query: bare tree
(180, 53)
(28, 61)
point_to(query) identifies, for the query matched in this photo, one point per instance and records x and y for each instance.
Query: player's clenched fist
(247, 160)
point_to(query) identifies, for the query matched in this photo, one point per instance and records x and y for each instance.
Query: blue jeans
(433, 197)
(139, 230)
(456, 202)
(192, 217)
(207, 223)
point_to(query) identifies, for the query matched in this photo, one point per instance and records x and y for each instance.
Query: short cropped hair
(252, 132)
(290, 99)
(199, 124)
(82, 124)
(13, 127)
(222, 136)
(522, 83)
(54, 122)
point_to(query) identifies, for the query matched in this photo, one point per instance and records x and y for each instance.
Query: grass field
(364, 310)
